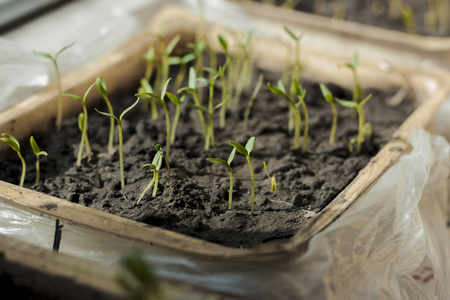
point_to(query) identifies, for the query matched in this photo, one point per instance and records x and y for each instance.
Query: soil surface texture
(377, 13)
(196, 202)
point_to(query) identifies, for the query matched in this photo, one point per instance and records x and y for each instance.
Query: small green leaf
(151, 95)
(218, 160)
(81, 117)
(281, 87)
(43, 54)
(354, 60)
(150, 165)
(199, 107)
(250, 144)
(298, 90)
(188, 58)
(163, 92)
(326, 93)
(173, 98)
(42, 153)
(174, 60)
(246, 40)
(87, 92)
(172, 44)
(128, 109)
(150, 55)
(80, 121)
(73, 97)
(205, 81)
(34, 146)
(64, 49)
(361, 104)
(11, 141)
(185, 89)
(147, 88)
(231, 157)
(101, 86)
(192, 84)
(223, 42)
(347, 103)
(292, 34)
(221, 104)
(275, 90)
(241, 149)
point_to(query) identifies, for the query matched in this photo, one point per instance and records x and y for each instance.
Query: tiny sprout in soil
(273, 181)
(297, 66)
(166, 112)
(246, 152)
(156, 166)
(227, 163)
(14, 144)
(361, 116)
(101, 86)
(38, 153)
(84, 135)
(119, 123)
(330, 99)
(357, 90)
(54, 60)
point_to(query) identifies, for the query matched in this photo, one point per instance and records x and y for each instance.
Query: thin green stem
(167, 129)
(360, 138)
(122, 177)
(252, 178)
(200, 114)
(334, 125)
(38, 173)
(85, 128)
(80, 150)
(111, 126)
(298, 124)
(175, 124)
(24, 169)
(306, 129)
(59, 104)
(155, 188)
(230, 196)
(146, 190)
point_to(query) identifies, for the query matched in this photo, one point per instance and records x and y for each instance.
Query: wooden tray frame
(22, 118)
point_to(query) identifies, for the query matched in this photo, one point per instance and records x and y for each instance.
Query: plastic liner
(392, 244)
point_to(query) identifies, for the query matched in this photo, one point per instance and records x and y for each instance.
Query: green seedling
(102, 89)
(138, 278)
(227, 163)
(357, 90)
(361, 116)
(252, 99)
(192, 88)
(330, 99)
(245, 67)
(273, 181)
(80, 126)
(409, 19)
(159, 149)
(226, 84)
(38, 153)
(156, 166)
(14, 144)
(165, 56)
(246, 152)
(280, 90)
(119, 123)
(209, 136)
(198, 48)
(182, 62)
(150, 59)
(166, 112)
(84, 135)
(297, 66)
(300, 93)
(147, 88)
(177, 101)
(54, 60)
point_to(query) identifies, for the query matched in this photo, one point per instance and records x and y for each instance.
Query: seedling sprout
(252, 99)
(273, 181)
(330, 99)
(209, 136)
(192, 88)
(156, 166)
(177, 101)
(246, 152)
(54, 60)
(357, 90)
(297, 65)
(14, 144)
(166, 113)
(226, 84)
(280, 90)
(182, 62)
(101, 86)
(361, 116)
(84, 136)
(227, 163)
(119, 123)
(147, 88)
(38, 153)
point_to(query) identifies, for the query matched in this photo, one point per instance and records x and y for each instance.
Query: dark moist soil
(196, 201)
(363, 11)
